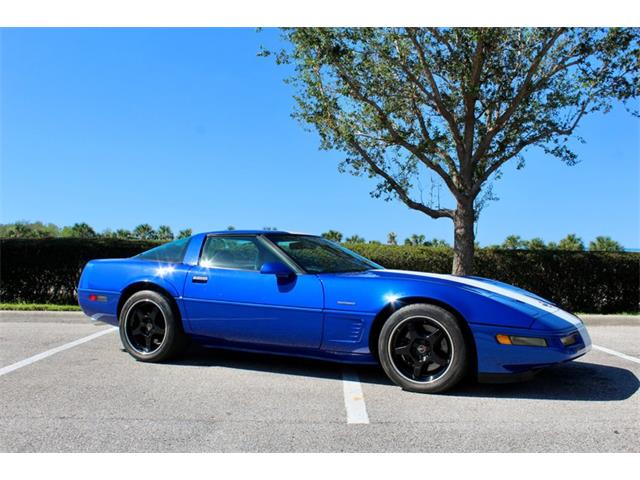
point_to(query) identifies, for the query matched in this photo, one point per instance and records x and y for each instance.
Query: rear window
(172, 252)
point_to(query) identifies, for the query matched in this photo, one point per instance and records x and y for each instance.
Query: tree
(355, 239)
(333, 235)
(144, 231)
(24, 229)
(571, 242)
(164, 233)
(536, 244)
(122, 233)
(513, 242)
(406, 104)
(79, 230)
(605, 244)
(231, 227)
(415, 239)
(187, 232)
(437, 243)
(392, 238)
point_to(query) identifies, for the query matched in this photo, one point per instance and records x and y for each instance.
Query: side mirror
(278, 269)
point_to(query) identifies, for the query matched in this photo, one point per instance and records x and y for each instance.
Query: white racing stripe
(617, 354)
(354, 398)
(53, 351)
(505, 292)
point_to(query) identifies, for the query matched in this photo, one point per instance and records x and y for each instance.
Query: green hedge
(593, 282)
(47, 270)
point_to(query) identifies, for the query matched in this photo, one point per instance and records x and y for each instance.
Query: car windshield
(317, 255)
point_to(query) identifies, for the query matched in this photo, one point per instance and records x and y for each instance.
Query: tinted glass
(317, 255)
(244, 253)
(172, 252)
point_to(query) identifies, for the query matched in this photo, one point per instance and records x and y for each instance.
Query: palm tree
(79, 230)
(187, 232)
(415, 239)
(333, 235)
(605, 244)
(355, 239)
(536, 244)
(144, 231)
(513, 242)
(122, 233)
(571, 242)
(164, 233)
(392, 238)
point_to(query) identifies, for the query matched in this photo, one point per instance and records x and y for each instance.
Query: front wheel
(422, 349)
(149, 329)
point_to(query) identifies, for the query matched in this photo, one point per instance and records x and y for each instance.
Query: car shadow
(578, 381)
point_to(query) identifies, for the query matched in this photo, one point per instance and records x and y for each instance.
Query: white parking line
(617, 354)
(354, 398)
(53, 351)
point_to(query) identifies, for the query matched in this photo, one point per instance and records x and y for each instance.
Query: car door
(227, 298)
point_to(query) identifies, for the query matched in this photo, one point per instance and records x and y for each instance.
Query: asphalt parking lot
(90, 396)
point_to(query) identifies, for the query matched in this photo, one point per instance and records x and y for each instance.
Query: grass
(47, 307)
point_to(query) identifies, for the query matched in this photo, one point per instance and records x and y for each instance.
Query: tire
(150, 329)
(422, 349)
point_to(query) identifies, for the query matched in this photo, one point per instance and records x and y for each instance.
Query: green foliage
(415, 239)
(48, 270)
(333, 235)
(605, 244)
(593, 282)
(164, 233)
(79, 230)
(144, 231)
(407, 104)
(571, 242)
(38, 307)
(513, 242)
(355, 239)
(187, 232)
(392, 238)
(28, 230)
(536, 244)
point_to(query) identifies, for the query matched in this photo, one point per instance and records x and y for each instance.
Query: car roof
(253, 232)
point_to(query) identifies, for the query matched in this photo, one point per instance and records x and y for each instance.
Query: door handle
(199, 279)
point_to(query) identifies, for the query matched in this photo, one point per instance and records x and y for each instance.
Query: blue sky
(188, 127)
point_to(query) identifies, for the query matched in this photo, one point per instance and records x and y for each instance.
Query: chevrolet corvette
(301, 295)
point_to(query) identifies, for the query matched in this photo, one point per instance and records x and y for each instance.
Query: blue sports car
(295, 294)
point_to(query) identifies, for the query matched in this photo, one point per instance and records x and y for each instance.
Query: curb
(610, 320)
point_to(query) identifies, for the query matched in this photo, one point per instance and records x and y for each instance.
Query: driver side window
(234, 252)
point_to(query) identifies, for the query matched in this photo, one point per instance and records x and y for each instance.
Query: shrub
(47, 270)
(594, 282)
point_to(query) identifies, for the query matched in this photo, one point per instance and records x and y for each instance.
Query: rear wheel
(149, 329)
(422, 349)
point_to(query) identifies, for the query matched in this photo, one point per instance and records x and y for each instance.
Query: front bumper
(494, 358)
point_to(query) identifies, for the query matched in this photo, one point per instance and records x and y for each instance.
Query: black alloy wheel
(145, 327)
(421, 348)
(150, 327)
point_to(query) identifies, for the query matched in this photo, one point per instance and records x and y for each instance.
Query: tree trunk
(464, 238)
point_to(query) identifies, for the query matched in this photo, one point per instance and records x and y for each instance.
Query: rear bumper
(496, 359)
(103, 308)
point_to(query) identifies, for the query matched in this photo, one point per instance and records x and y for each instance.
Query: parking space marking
(354, 398)
(617, 354)
(53, 351)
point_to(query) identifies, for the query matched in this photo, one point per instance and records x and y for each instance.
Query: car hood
(505, 293)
